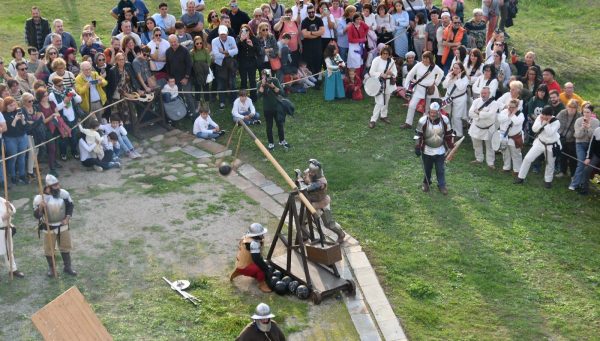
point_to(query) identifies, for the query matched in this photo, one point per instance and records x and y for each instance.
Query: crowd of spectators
(58, 77)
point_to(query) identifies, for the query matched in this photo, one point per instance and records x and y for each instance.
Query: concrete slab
(173, 132)
(391, 330)
(358, 260)
(238, 181)
(365, 327)
(366, 276)
(281, 198)
(157, 138)
(170, 178)
(272, 189)
(195, 152)
(210, 146)
(173, 149)
(189, 175)
(223, 153)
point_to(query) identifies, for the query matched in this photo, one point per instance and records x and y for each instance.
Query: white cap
(446, 14)
(434, 106)
(51, 180)
(223, 29)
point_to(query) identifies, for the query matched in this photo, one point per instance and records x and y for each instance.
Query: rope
(56, 137)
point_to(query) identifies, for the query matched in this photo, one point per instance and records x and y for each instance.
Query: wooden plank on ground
(69, 317)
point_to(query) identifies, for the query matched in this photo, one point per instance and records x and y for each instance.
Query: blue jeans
(252, 120)
(15, 145)
(203, 135)
(428, 162)
(125, 144)
(581, 150)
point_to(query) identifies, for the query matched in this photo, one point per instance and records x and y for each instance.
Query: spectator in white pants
(546, 127)
(483, 113)
(425, 74)
(511, 123)
(456, 83)
(383, 67)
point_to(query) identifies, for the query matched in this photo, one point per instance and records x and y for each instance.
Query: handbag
(210, 77)
(518, 139)
(275, 63)
(431, 89)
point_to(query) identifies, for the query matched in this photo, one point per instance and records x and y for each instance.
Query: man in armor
(262, 327)
(314, 182)
(56, 206)
(6, 211)
(434, 138)
(249, 260)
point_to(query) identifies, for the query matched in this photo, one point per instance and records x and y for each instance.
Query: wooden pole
(7, 229)
(279, 169)
(41, 190)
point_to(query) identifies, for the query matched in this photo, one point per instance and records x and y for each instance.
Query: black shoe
(63, 157)
(23, 180)
(257, 122)
(76, 156)
(58, 165)
(547, 185)
(18, 274)
(518, 181)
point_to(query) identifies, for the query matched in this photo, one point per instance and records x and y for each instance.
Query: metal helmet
(51, 180)
(262, 311)
(314, 166)
(255, 230)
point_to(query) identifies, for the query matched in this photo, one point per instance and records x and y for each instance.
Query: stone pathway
(369, 309)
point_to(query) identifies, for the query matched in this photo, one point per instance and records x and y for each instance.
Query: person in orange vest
(452, 37)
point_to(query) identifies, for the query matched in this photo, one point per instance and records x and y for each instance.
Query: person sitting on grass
(116, 126)
(205, 127)
(90, 149)
(243, 109)
(111, 147)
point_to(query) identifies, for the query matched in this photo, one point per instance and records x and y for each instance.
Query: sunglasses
(199, 43)
(22, 69)
(311, 12)
(52, 53)
(498, 44)
(264, 30)
(157, 35)
(101, 59)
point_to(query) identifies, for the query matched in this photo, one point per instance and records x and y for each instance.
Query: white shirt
(378, 67)
(240, 107)
(202, 125)
(107, 129)
(329, 32)
(2, 120)
(480, 83)
(434, 77)
(505, 99)
(229, 46)
(163, 46)
(550, 132)
(165, 23)
(107, 143)
(460, 83)
(416, 5)
(86, 151)
(517, 123)
(174, 91)
(303, 13)
(483, 120)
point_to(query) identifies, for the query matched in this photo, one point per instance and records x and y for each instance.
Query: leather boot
(50, 269)
(67, 264)
(262, 285)
(328, 221)
(234, 274)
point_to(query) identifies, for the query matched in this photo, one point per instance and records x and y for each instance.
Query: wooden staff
(7, 229)
(279, 169)
(41, 190)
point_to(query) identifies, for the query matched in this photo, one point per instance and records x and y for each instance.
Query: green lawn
(492, 261)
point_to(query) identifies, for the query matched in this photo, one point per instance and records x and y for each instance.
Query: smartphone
(94, 23)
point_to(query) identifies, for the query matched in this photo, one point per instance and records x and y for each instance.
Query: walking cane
(41, 190)
(7, 229)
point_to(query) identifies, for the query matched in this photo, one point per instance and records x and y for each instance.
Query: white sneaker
(571, 187)
(131, 155)
(137, 155)
(98, 168)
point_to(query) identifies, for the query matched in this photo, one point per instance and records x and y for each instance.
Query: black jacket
(179, 63)
(113, 78)
(247, 54)
(30, 35)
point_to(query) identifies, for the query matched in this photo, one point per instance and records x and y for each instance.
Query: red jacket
(359, 35)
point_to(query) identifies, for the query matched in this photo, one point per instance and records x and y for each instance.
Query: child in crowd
(116, 126)
(205, 127)
(170, 91)
(307, 78)
(185, 39)
(91, 151)
(353, 85)
(111, 147)
(419, 35)
(243, 109)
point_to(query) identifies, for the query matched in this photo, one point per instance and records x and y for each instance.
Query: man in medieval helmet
(249, 260)
(314, 182)
(262, 326)
(54, 210)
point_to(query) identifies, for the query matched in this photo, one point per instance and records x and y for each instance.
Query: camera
(267, 72)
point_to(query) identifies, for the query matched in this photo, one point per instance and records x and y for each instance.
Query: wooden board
(69, 317)
(322, 280)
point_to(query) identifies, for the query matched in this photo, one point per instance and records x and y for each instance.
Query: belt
(547, 144)
(98, 101)
(488, 127)
(457, 96)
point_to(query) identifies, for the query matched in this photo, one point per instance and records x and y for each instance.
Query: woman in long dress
(401, 21)
(334, 86)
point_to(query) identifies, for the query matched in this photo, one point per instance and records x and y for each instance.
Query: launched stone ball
(281, 288)
(224, 168)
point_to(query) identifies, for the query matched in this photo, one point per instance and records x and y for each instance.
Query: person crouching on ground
(116, 126)
(249, 261)
(244, 110)
(91, 152)
(205, 127)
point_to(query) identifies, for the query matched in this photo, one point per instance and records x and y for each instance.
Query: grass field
(492, 261)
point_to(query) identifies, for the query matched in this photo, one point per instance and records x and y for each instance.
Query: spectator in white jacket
(243, 109)
(116, 126)
(205, 127)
